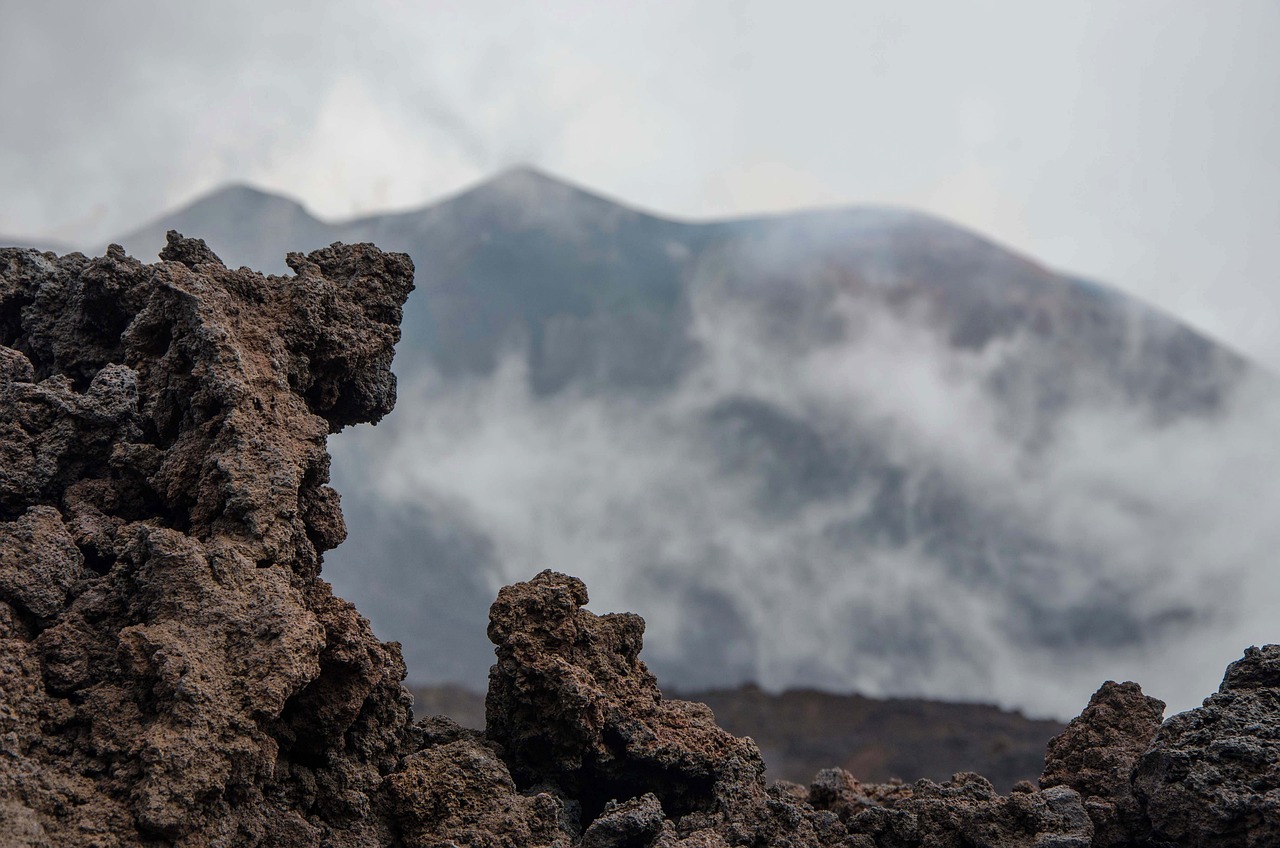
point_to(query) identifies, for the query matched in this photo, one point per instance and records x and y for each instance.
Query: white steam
(1168, 529)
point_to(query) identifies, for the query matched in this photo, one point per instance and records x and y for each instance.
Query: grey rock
(1212, 774)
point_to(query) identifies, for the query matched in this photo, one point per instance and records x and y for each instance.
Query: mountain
(177, 672)
(248, 225)
(801, 732)
(38, 244)
(860, 449)
(527, 256)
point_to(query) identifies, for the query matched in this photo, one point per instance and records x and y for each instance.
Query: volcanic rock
(1096, 756)
(1212, 774)
(573, 706)
(174, 672)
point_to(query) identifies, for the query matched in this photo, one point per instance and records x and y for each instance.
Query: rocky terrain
(714, 423)
(173, 671)
(802, 731)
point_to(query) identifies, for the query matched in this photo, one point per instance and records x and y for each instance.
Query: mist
(774, 515)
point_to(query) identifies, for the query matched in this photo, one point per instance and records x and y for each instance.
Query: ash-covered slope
(860, 450)
(176, 673)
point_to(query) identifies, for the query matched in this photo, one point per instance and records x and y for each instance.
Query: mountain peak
(528, 195)
(524, 174)
(243, 196)
(239, 222)
(525, 182)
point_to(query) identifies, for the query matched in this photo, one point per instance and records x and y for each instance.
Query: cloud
(856, 514)
(770, 185)
(973, 193)
(360, 155)
(1082, 136)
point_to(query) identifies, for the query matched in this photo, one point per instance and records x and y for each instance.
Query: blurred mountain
(884, 739)
(855, 449)
(38, 244)
(598, 293)
(802, 731)
(248, 225)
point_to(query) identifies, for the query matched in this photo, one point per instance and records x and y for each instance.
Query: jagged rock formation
(1212, 774)
(575, 709)
(1096, 754)
(802, 731)
(174, 672)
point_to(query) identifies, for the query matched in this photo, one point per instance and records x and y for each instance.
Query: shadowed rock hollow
(174, 672)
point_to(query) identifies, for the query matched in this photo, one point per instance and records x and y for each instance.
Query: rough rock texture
(174, 672)
(1096, 755)
(801, 731)
(1212, 774)
(964, 811)
(171, 669)
(574, 708)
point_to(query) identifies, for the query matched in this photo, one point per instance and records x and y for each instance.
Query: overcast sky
(1133, 142)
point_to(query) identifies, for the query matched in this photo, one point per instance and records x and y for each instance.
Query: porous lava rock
(573, 706)
(171, 669)
(1097, 753)
(964, 811)
(174, 672)
(575, 709)
(1212, 775)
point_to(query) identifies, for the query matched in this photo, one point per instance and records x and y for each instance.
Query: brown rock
(39, 562)
(634, 824)
(461, 793)
(173, 670)
(961, 812)
(576, 711)
(573, 706)
(1096, 756)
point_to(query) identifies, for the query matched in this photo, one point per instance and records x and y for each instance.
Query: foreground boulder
(171, 669)
(1096, 756)
(174, 672)
(1212, 774)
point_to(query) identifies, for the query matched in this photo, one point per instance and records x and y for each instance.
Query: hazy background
(1131, 143)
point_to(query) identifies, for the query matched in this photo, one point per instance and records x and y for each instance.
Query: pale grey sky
(1132, 142)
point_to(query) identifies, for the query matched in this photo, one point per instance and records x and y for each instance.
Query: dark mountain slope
(38, 244)
(590, 289)
(975, 475)
(244, 225)
(801, 732)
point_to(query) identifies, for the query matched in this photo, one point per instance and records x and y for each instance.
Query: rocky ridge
(801, 732)
(173, 671)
